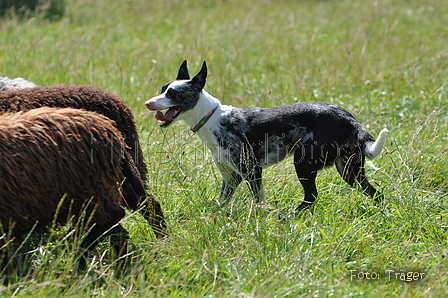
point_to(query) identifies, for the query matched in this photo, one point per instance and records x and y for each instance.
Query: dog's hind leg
(351, 169)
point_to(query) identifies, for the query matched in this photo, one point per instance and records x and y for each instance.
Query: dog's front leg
(230, 181)
(255, 184)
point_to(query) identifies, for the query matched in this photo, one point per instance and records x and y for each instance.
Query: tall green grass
(385, 61)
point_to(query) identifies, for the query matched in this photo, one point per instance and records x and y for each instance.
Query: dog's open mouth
(168, 117)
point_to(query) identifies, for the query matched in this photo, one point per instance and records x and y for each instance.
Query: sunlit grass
(384, 61)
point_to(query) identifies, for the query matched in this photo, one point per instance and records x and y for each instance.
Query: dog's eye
(170, 93)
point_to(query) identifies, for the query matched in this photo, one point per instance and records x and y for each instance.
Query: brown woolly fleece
(48, 153)
(96, 100)
(80, 97)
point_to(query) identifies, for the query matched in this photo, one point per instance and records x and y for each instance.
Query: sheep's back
(89, 98)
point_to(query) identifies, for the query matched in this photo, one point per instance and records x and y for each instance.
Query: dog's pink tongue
(160, 116)
(168, 116)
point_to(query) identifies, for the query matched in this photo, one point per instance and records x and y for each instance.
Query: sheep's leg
(13, 260)
(8, 265)
(152, 212)
(4, 257)
(134, 192)
(119, 242)
(149, 208)
(111, 228)
(133, 188)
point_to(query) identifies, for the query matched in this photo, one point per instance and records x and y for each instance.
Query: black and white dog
(243, 141)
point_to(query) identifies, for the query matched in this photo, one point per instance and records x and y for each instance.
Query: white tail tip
(373, 150)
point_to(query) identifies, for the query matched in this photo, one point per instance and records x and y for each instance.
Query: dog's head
(178, 96)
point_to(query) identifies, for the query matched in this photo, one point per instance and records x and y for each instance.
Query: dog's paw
(304, 206)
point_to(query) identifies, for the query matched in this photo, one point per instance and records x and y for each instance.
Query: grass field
(385, 61)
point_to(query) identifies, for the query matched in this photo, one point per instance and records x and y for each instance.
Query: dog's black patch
(164, 87)
(184, 95)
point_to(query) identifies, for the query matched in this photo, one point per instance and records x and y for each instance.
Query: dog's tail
(373, 148)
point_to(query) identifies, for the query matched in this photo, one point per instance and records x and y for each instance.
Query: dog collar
(203, 120)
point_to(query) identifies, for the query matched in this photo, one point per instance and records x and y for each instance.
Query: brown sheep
(56, 164)
(92, 99)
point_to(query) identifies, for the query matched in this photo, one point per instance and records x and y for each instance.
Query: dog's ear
(183, 72)
(200, 78)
